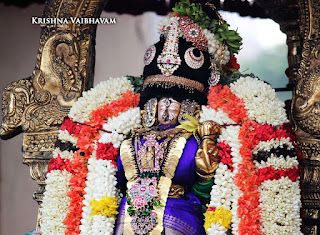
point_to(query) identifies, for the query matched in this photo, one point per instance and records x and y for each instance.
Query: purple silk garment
(182, 215)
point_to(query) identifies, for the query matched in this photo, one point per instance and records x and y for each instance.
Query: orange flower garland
(222, 97)
(247, 181)
(86, 137)
(113, 109)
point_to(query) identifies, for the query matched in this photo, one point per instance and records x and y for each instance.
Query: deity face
(168, 111)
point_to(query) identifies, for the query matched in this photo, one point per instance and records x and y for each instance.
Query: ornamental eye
(194, 58)
(149, 55)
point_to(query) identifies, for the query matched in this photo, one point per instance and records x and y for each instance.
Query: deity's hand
(207, 158)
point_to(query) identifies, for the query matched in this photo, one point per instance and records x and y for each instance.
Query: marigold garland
(220, 215)
(107, 206)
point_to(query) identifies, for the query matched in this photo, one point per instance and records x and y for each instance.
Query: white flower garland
(125, 122)
(261, 101)
(280, 207)
(215, 47)
(217, 229)
(103, 93)
(114, 138)
(63, 154)
(101, 181)
(278, 162)
(273, 143)
(224, 192)
(218, 116)
(55, 202)
(64, 136)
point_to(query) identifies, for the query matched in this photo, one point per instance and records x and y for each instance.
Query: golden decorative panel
(64, 68)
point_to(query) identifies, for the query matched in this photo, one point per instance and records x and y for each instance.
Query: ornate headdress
(195, 45)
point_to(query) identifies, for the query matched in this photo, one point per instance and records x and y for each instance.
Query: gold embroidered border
(173, 80)
(164, 184)
(174, 155)
(128, 162)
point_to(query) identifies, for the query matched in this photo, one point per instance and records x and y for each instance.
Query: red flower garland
(247, 178)
(107, 152)
(222, 97)
(71, 127)
(87, 134)
(225, 154)
(269, 173)
(58, 163)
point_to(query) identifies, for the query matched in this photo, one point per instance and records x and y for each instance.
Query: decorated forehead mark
(149, 55)
(169, 60)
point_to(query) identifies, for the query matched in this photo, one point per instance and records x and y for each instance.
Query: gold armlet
(205, 178)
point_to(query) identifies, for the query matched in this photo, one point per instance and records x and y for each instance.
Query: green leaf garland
(221, 31)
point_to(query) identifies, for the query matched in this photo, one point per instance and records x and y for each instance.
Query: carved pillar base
(311, 185)
(37, 152)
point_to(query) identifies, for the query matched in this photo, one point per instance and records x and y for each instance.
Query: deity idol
(200, 150)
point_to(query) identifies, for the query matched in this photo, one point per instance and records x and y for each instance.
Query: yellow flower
(191, 125)
(221, 215)
(107, 206)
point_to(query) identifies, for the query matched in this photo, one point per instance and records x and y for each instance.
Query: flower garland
(55, 202)
(260, 153)
(221, 97)
(218, 115)
(86, 155)
(113, 109)
(280, 211)
(260, 100)
(224, 193)
(100, 202)
(103, 93)
(258, 162)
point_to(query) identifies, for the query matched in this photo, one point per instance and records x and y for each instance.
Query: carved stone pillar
(306, 109)
(300, 20)
(64, 68)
